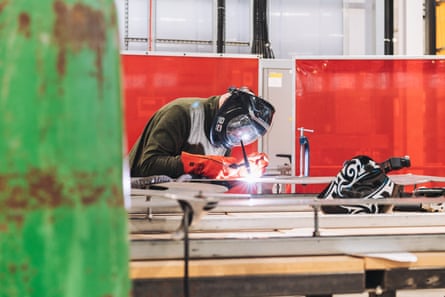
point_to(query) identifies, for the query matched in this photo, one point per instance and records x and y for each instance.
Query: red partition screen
(376, 107)
(150, 81)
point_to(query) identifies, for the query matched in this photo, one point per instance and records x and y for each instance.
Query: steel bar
(401, 179)
(252, 245)
(235, 222)
(276, 200)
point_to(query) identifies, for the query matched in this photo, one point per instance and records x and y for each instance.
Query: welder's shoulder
(180, 106)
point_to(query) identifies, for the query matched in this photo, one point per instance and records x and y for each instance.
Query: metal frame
(315, 239)
(230, 220)
(391, 236)
(151, 40)
(251, 246)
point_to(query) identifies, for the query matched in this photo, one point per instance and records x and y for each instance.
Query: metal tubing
(304, 152)
(267, 246)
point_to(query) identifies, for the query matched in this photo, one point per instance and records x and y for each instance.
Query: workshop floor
(402, 293)
(406, 293)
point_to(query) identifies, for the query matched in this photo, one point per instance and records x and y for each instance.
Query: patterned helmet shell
(360, 177)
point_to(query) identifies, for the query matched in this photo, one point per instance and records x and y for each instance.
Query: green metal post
(63, 225)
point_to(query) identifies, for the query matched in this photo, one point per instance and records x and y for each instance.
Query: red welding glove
(221, 167)
(257, 166)
(209, 166)
(257, 163)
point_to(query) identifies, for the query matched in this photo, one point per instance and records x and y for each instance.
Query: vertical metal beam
(150, 24)
(430, 17)
(63, 228)
(126, 23)
(221, 23)
(389, 27)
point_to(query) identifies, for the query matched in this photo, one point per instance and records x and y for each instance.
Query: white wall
(296, 27)
(306, 27)
(409, 28)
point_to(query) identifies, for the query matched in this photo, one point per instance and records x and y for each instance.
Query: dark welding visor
(242, 117)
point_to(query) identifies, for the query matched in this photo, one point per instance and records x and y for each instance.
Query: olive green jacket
(182, 125)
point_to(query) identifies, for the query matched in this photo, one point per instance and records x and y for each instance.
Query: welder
(195, 136)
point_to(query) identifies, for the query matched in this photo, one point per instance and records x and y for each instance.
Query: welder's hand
(209, 166)
(257, 163)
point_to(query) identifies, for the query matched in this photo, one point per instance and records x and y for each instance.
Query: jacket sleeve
(161, 143)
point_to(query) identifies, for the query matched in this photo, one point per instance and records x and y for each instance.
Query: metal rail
(252, 245)
(309, 234)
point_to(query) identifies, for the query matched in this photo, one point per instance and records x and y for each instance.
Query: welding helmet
(242, 117)
(362, 177)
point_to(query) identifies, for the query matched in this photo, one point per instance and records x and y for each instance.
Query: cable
(186, 219)
(261, 44)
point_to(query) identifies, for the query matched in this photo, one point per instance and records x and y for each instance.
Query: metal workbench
(283, 246)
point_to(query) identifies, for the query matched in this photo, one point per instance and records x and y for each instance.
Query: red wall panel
(377, 107)
(150, 81)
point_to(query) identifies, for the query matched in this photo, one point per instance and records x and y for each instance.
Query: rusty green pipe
(63, 226)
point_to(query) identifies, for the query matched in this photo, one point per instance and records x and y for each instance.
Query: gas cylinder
(63, 226)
